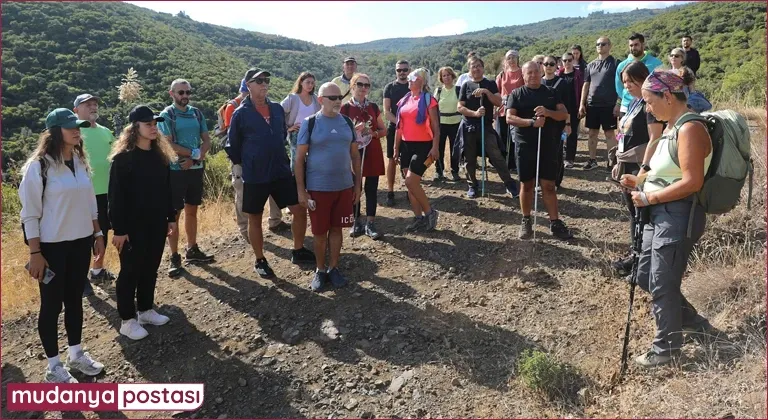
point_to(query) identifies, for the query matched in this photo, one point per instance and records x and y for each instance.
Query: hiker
(637, 53)
(575, 78)
(539, 59)
(535, 110)
(599, 99)
(677, 59)
(256, 146)
(579, 63)
(142, 214)
(186, 127)
(447, 96)
(328, 180)
(97, 141)
(393, 93)
(464, 78)
(692, 58)
(564, 89)
(361, 111)
(416, 145)
(636, 130)
(275, 221)
(349, 69)
(507, 81)
(298, 105)
(670, 236)
(476, 91)
(59, 217)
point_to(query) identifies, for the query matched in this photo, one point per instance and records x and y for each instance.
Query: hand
(304, 199)
(541, 112)
(356, 194)
(359, 127)
(539, 122)
(435, 153)
(37, 264)
(294, 127)
(568, 130)
(629, 181)
(185, 163)
(119, 241)
(479, 92)
(396, 155)
(172, 227)
(480, 112)
(616, 111)
(98, 248)
(637, 198)
(237, 171)
(641, 172)
(582, 111)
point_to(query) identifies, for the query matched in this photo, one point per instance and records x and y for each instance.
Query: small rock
(366, 415)
(219, 400)
(242, 382)
(456, 382)
(351, 404)
(350, 385)
(222, 416)
(584, 396)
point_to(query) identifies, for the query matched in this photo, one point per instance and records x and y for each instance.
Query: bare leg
(190, 224)
(418, 197)
(321, 242)
(526, 197)
(298, 225)
(593, 143)
(256, 235)
(173, 240)
(335, 238)
(549, 197)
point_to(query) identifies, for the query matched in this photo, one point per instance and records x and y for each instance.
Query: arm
(514, 120)
(206, 146)
(302, 148)
(354, 153)
(654, 132)
(31, 198)
(118, 204)
(382, 128)
(398, 139)
(233, 143)
(559, 114)
(694, 145)
(390, 116)
(495, 98)
(584, 95)
(618, 82)
(434, 121)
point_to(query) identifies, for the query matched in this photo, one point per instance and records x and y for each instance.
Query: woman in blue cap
(60, 221)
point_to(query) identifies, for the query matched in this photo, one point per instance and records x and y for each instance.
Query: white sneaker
(153, 318)
(133, 330)
(59, 375)
(85, 364)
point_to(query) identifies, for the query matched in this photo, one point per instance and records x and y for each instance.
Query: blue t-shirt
(188, 131)
(329, 165)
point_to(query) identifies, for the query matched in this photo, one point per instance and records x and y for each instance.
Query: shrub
(11, 206)
(539, 372)
(217, 183)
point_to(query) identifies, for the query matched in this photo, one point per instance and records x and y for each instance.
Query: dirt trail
(431, 325)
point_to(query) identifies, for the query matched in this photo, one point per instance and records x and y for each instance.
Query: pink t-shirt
(408, 127)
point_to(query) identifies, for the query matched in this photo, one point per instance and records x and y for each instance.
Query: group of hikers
(78, 183)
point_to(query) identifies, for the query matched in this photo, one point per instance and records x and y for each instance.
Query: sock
(75, 351)
(53, 361)
(96, 271)
(526, 217)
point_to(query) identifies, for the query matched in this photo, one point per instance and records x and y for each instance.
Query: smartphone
(617, 183)
(47, 276)
(429, 161)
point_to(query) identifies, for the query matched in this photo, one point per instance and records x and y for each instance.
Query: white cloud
(449, 27)
(623, 6)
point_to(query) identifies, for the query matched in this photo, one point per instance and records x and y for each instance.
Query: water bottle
(563, 137)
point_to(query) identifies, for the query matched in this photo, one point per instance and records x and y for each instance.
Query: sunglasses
(567, 60)
(601, 44)
(363, 85)
(549, 64)
(402, 70)
(675, 56)
(261, 80)
(541, 63)
(334, 97)
(184, 92)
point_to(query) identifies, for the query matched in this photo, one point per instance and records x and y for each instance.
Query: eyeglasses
(675, 56)
(184, 92)
(541, 63)
(402, 70)
(567, 60)
(601, 44)
(261, 80)
(363, 85)
(549, 64)
(334, 97)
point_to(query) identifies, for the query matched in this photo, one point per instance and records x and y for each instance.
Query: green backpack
(731, 161)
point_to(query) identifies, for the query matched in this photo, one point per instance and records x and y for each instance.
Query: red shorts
(333, 209)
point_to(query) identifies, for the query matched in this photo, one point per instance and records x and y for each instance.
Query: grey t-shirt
(329, 165)
(601, 76)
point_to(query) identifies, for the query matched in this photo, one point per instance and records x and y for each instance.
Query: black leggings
(448, 131)
(371, 201)
(69, 260)
(138, 268)
(573, 138)
(505, 134)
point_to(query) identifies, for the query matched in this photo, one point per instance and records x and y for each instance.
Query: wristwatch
(645, 167)
(533, 121)
(98, 234)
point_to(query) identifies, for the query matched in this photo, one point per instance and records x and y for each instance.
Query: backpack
(171, 110)
(221, 129)
(730, 165)
(312, 126)
(44, 175)
(440, 90)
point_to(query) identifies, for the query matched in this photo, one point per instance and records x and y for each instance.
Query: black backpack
(44, 175)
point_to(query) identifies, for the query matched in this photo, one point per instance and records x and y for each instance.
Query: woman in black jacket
(142, 216)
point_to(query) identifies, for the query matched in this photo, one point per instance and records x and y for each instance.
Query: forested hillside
(54, 51)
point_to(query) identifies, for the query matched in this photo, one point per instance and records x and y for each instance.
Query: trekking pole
(482, 146)
(535, 192)
(640, 218)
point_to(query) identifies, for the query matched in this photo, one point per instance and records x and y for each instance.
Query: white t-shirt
(304, 111)
(462, 79)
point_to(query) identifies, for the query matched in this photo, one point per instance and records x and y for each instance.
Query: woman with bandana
(673, 228)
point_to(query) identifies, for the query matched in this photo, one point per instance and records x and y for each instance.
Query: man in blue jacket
(256, 146)
(637, 52)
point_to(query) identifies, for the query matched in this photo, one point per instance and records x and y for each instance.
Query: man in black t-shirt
(470, 128)
(537, 110)
(599, 100)
(564, 88)
(692, 59)
(393, 92)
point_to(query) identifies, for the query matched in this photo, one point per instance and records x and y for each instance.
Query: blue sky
(332, 23)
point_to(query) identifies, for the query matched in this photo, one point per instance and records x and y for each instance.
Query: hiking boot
(591, 164)
(320, 280)
(59, 375)
(104, 277)
(371, 232)
(358, 229)
(455, 177)
(418, 223)
(85, 365)
(431, 219)
(569, 164)
(513, 189)
(623, 266)
(336, 278)
(703, 333)
(132, 329)
(152, 317)
(302, 255)
(390, 199)
(526, 228)
(174, 268)
(652, 360)
(195, 255)
(263, 269)
(88, 290)
(280, 227)
(471, 192)
(559, 230)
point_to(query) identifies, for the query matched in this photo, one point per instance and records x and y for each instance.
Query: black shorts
(390, 141)
(600, 116)
(548, 161)
(256, 195)
(186, 188)
(413, 154)
(102, 204)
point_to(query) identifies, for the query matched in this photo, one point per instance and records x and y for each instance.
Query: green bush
(11, 206)
(543, 374)
(217, 182)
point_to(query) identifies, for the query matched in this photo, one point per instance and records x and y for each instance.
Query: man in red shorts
(328, 180)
